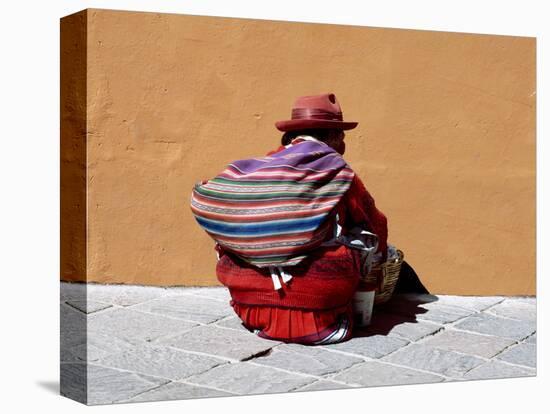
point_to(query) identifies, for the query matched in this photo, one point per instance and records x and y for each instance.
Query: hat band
(312, 113)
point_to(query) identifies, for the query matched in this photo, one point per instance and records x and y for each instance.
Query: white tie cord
(286, 277)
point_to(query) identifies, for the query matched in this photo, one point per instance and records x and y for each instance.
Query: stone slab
(94, 385)
(218, 293)
(73, 325)
(232, 322)
(73, 382)
(88, 306)
(67, 355)
(521, 354)
(515, 309)
(178, 391)
(222, 342)
(124, 295)
(161, 361)
(187, 307)
(306, 359)
(374, 373)
(439, 361)
(496, 369)
(245, 378)
(527, 299)
(324, 385)
(495, 325)
(375, 346)
(71, 319)
(99, 345)
(106, 385)
(136, 327)
(443, 313)
(468, 343)
(72, 291)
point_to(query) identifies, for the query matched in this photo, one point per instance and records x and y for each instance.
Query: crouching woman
(280, 294)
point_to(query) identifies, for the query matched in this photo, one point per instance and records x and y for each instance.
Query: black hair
(322, 134)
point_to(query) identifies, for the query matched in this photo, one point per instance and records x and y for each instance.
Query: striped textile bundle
(272, 211)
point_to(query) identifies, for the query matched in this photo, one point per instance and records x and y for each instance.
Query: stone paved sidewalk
(152, 343)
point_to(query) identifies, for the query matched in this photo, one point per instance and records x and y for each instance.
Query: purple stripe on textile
(308, 155)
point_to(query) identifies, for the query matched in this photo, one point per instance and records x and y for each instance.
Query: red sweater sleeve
(361, 210)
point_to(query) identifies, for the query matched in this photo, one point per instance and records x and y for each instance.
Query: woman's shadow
(405, 304)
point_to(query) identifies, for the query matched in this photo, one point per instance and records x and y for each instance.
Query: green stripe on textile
(262, 196)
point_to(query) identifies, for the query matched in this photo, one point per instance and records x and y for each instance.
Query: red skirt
(314, 307)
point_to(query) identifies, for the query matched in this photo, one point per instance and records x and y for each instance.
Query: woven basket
(384, 276)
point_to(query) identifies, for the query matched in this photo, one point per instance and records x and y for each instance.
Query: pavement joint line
(419, 340)
(527, 337)
(491, 306)
(208, 297)
(205, 386)
(512, 345)
(174, 382)
(425, 339)
(302, 374)
(316, 377)
(406, 367)
(168, 316)
(330, 375)
(68, 303)
(227, 328)
(297, 388)
(194, 384)
(448, 323)
(381, 360)
(111, 308)
(301, 387)
(337, 351)
(215, 321)
(324, 376)
(186, 293)
(168, 336)
(485, 359)
(227, 317)
(142, 392)
(517, 365)
(453, 328)
(437, 374)
(181, 319)
(491, 312)
(474, 312)
(128, 370)
(226, 359)
(99, 364)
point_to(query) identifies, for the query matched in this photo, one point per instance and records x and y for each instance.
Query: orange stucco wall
(445, 142)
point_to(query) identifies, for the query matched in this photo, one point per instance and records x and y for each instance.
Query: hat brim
(297, 124)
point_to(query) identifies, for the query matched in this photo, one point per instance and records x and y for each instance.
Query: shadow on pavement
(403, 307)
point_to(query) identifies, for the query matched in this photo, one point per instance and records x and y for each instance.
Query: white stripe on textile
(284, 275)
(337, 335)
(275, 278)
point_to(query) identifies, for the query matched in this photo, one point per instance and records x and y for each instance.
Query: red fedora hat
(317, 111)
